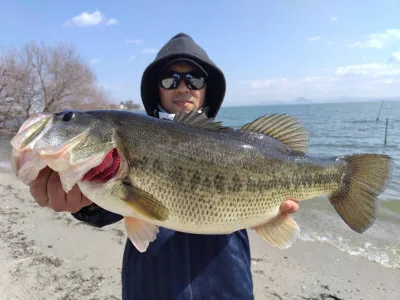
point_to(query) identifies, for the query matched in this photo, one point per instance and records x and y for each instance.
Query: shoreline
(49, 255)
(310, 270)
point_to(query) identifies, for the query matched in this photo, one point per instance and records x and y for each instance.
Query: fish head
(71, 143)
(75, 135)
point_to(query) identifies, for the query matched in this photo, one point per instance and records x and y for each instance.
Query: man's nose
(182, 88)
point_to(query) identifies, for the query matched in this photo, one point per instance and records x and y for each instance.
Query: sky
(270, 51)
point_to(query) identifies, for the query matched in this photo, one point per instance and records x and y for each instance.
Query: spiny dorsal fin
(282, 127)
(200, 120)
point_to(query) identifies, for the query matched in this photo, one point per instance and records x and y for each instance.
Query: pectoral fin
(141, 201)
(140, 233)
(148, 205)
(280, 232)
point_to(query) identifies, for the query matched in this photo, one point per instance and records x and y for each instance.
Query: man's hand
(289, 206)
(47, 190)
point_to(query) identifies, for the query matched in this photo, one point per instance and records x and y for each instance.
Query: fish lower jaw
(26, 165)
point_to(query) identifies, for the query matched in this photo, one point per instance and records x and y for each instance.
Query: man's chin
(188, 107)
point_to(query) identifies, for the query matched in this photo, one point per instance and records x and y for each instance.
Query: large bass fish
(195, 175)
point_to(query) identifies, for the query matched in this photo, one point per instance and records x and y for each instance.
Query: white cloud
(372, 43)
(86, 19)
(285, 89)
(282, 83)
(94, 60)
(363, 69)
(372, 70)
(112, 21)
(358, 80)
(395, 57)
(386, 81)
(266, 83)
(129, 41)
(312, 79)
(132, 58)
(315, 38)
(149, 50)
(379, 40)
(334, 19)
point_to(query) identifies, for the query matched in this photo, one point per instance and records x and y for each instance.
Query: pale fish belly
(222, 227)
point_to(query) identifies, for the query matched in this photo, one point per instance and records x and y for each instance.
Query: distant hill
(302, 100)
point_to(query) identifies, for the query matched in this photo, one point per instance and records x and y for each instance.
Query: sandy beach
(49, 255)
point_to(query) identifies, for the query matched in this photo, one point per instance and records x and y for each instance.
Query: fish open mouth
(106, 170)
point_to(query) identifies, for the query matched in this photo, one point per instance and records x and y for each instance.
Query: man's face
(182, 98)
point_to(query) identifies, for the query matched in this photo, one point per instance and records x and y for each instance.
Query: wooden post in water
(386, 130)
(379, 111)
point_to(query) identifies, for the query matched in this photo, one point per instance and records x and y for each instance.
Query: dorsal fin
(200, 120)
(282, 127)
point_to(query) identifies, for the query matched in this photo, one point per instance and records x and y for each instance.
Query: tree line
(43, 78)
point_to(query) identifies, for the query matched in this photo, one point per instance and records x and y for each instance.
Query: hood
(183, 46)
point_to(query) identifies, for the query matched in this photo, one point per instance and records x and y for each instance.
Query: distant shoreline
(311, 102)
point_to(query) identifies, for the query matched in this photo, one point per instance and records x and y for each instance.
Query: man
(176, 265)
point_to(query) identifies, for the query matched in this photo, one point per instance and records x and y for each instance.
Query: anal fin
(140, 233)
(280, 232)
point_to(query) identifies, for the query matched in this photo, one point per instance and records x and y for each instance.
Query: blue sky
(269, 50)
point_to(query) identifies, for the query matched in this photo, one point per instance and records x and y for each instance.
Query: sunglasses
(171, 81)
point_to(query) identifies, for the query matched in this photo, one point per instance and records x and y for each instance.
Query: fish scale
(189, 205)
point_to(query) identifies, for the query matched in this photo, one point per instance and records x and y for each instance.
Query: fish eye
(68, 116)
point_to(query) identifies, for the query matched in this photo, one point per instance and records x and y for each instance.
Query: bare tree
(45, 78)
(18, 89)
(62, 76)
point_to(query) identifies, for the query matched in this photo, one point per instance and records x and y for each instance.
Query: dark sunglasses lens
(197, 83)
(168, 83)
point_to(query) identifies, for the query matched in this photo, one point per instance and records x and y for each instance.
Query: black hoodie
(183, 46)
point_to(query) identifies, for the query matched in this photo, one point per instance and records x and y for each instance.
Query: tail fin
(367, 177)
